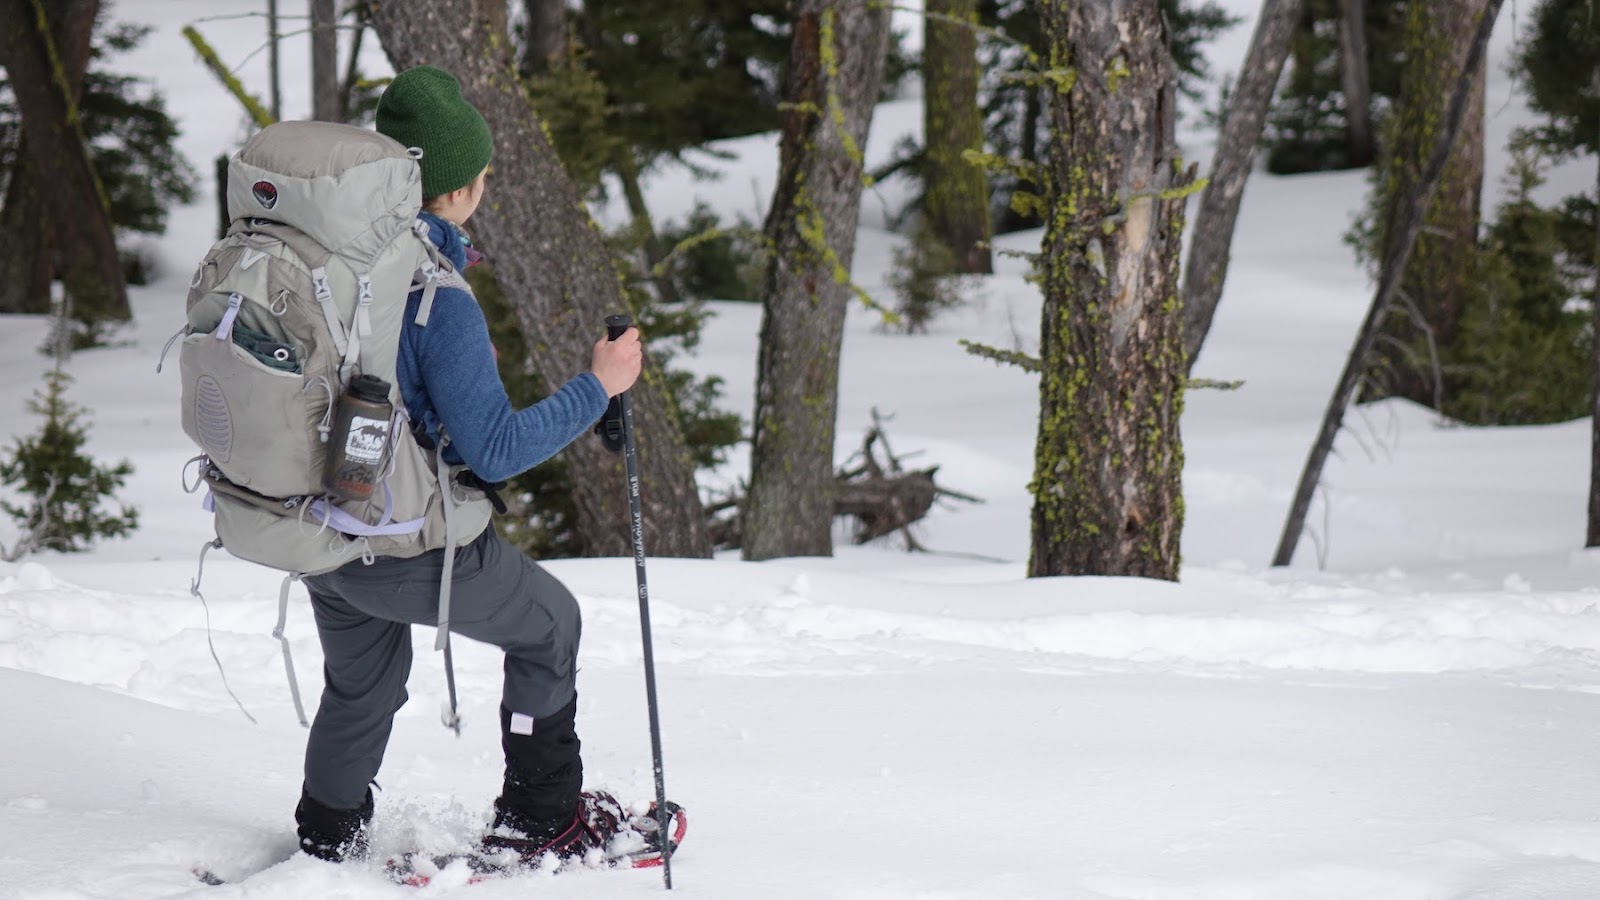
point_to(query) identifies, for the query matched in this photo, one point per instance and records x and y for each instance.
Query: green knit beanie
(423, 108)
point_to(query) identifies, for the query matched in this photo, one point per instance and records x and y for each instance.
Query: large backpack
(307, 290)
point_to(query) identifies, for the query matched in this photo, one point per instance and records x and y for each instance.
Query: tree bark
(559, 276)
(26, 256)
(274, 82)
(325, 98)
(1107, 485)
(1441, 271)
(1410, 216)
(1248, 104)
(835, 71)
(1355, 76)
(46, 80)
(957, 191)
(1593, 538)
(546, 41)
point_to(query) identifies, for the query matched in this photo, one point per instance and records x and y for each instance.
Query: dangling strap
(288, 658)
(452, 718)
(168, 346)
(330, 313)
(194, 590)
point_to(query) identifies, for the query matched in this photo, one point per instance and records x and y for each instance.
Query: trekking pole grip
(616, 325)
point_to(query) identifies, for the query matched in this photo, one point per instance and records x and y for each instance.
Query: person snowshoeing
(364, 611)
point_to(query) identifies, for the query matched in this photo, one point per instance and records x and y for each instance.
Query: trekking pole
(615, 327)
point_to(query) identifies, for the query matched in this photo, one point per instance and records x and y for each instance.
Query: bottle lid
(369, 387)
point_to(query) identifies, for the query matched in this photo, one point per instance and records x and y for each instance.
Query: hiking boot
(590, 835)
(333, 834)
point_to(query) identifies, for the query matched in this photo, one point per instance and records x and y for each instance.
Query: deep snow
(1408, 712)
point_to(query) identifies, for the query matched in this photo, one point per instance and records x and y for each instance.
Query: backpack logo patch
(265, 193)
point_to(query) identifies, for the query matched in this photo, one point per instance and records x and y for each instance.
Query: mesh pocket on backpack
(257, 423)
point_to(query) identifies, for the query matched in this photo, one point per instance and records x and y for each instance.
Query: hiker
(364, 611)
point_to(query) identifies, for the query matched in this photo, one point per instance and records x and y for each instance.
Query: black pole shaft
(615, 327)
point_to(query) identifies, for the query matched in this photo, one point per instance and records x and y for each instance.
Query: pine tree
(62, 487)
(1522, 355)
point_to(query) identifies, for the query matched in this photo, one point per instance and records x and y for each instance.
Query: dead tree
(1407, 225)
(1248, 103)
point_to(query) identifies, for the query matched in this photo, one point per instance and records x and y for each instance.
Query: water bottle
(359, 438)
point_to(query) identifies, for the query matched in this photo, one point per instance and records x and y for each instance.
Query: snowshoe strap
(288, 657)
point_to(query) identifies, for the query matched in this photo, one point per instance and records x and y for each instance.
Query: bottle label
(366, 440)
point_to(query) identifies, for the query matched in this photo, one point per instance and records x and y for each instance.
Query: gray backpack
(307, 290)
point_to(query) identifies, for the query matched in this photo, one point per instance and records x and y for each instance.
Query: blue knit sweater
(448, 377)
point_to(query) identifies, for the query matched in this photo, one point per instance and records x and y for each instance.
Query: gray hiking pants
(364, 616)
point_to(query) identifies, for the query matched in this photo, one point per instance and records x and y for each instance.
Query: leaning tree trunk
(952, 123)
(552, 261)
(1355, 78)
(835, 71)
(1109, 460)
(1411, 211)
(80, 220)
(1441, 273)
(1209, 251)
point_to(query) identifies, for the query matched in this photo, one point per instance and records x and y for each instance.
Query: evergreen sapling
(61, 487)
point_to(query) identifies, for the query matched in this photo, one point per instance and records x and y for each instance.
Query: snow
(1410, 711)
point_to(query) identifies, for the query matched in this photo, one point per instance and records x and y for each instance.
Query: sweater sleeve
(456, 362)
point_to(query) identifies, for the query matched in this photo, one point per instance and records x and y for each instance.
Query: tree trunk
(274, 82)
(1441, 272)
(546, 41)
(28, 258)
(1108, 464)
(1248, 104)
(26, 255)
(835, 71)
(1355, 77)
(952, 123)
(42, 80)
(555, 268)
(1593, 539)
(1410, 210)
(325, 100)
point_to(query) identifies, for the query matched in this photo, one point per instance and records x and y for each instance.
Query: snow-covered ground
(1410, 711)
